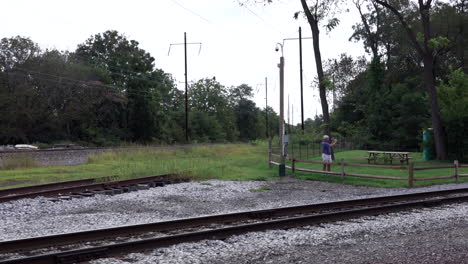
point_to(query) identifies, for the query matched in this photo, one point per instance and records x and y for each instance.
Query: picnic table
(388, 156)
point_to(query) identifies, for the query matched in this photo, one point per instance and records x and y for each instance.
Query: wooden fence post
(411, 174)
(342, 169)
(293, 164)
(269, 153)
(300, 151)
(456, 170)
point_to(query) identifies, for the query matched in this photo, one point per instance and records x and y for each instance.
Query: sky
(238, 42)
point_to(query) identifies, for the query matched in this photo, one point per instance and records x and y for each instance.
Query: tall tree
(16, 50)
(132, 72)
(316, 14)
(427, 49)
(371, 34)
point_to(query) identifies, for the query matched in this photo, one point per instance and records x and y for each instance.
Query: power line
(263, 20)
(63, 78)
(192, 12)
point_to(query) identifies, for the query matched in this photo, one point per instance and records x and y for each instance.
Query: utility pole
(186, 92)
(187, 137)
(282, 166)
(266, 105)
(292, 117)
(300, 73)
(289, 114)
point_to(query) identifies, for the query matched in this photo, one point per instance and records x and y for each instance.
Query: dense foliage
(386, 101)
(109, 91)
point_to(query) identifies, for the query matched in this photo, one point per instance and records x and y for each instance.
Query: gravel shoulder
(36, 217)
(424, 236)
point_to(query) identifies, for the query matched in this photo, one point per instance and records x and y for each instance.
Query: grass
(21, 161)
(358, 156)
(223, 162)
(261, 189)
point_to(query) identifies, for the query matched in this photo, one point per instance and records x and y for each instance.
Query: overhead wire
(63, 78)
(192, 12)
(263, 20)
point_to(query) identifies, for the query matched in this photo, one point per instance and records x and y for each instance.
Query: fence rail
(410, 169)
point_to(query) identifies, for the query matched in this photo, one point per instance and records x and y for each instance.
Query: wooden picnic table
(388, 156)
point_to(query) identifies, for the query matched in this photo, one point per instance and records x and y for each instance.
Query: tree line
(108, 91)
(416, 77)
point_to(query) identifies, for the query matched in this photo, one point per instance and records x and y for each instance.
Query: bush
(453, 98)
(21, 161)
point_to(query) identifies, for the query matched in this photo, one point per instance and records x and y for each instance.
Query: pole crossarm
(185, 43)
(294, 39)
(191, 43)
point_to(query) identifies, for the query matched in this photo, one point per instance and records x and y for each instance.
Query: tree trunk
(439, 132)
(426, 53)
(321, 77)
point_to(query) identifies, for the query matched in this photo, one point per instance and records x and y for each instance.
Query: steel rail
(48, 186)
(369, 206)
(85, 187)
(74, 256)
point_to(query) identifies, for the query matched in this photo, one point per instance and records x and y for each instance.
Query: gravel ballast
(37, 217)
(425, 236)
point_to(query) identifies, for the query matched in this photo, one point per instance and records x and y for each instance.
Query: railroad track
(88, 245)
(88, 187)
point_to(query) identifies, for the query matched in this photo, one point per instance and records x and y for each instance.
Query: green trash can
(428, 144)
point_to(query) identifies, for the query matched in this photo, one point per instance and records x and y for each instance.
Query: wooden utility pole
(266, 106)
(282, 166)
(302, 85)
(186, 92)
(289, 120)
(187, 137)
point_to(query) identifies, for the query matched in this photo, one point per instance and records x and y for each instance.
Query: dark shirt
(326, 148)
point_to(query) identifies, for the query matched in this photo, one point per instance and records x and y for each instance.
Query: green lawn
(359, 156)
(224, 162)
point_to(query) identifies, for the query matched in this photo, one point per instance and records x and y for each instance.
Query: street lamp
(282, 166)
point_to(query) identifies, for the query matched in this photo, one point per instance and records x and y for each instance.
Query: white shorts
(326, 158)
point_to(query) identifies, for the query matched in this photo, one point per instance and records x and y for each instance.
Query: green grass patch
(222, 162)
(261, 189)
(360, 157)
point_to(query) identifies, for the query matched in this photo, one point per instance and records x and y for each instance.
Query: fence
(307, 149)
(410, 169)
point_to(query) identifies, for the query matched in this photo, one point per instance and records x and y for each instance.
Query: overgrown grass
(224, 162)
(21, 161)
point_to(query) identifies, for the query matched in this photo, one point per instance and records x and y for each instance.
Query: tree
(315, 14)
(427, 48)
(453, 96)
(341, 72)
(16, 50)
(132, 72)
(211, 98)
(371, 34)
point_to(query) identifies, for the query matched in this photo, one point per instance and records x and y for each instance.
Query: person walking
(327, 152)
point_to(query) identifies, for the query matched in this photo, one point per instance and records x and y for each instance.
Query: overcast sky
(238, 43)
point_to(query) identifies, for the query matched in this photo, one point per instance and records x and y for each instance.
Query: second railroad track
(87, 245)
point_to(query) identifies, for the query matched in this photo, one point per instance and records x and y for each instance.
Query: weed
(261, 189)
(20, 161)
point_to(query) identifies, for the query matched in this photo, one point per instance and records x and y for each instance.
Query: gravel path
(36, 217)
